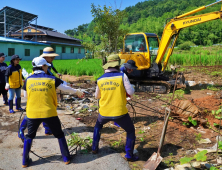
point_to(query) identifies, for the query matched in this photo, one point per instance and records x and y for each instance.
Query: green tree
(108, 23)
(90, 46)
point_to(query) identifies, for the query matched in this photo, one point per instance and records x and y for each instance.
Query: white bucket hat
(48, 52)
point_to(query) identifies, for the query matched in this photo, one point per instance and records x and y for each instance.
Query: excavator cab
(140, 47)
(143, 49)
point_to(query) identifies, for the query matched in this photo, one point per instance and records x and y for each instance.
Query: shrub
(186, 45)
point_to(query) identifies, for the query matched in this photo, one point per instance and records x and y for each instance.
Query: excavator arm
(173, 28)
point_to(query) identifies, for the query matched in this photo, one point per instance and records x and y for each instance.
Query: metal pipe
(214, 3)
(8, 30)
(197, 10)
(22, 26)
(4, 23)
(191, 12)
(36, 30)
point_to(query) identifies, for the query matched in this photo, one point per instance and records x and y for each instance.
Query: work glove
(7, 86)
(59, 74)
(80, 94)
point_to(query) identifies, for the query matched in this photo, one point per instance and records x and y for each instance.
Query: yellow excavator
(148, 51)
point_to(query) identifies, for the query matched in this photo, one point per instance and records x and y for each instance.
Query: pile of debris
(184, 109)
(79, 106)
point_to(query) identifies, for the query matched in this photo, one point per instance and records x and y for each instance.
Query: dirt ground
(149, 115)
(71, 79)
(180, 139)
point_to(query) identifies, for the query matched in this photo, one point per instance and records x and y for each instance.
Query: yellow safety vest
(113, 95)
(41, 96)
(15, 80)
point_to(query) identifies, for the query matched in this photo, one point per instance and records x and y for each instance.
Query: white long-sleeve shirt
(61, 87)
(129, 89)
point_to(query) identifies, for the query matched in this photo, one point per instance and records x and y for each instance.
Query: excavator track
(152, 86)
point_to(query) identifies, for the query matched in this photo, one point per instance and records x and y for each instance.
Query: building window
(27, 52)
(54, 48)
(72, 50)
(79, 51)
(41, 51)
(11, 51)
(29, 30)
(63, 49)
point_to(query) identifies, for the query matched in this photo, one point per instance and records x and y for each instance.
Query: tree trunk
(116, 44)
(109, 45)
(104, 59)
(92, 54)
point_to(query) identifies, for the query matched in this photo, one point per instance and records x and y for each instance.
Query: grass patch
(76, 67)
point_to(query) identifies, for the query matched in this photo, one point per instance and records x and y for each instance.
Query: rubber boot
(18, 104)
(96, 138)
(64, 150)
(5, 98)
(129, 150)
(23, 126)
(26, 149)
(47, 129)
(10, 103)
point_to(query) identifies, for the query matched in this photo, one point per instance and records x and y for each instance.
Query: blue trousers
(124, 122)
(12, 92)
(52, 122)
(23, 126)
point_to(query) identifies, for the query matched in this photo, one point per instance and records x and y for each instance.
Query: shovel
(153, 162)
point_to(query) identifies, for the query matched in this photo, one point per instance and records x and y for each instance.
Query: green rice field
(190, 59)
(90, 67)
(197, 56)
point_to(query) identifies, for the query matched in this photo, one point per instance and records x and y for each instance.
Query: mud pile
(210, 103)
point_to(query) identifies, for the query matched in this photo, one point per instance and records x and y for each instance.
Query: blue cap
(3, 55)
(15, 57)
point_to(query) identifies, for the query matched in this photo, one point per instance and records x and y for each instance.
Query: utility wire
(166, 102)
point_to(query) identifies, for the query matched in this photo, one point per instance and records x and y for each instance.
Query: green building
(27, 50)
(28, 40)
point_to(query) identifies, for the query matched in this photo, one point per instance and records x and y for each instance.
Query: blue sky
(63, 14)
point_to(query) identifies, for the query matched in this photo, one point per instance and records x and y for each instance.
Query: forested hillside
(150, 16)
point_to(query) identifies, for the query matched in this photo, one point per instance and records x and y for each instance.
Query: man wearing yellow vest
(49, 55)
(41, 107)
(111, 89)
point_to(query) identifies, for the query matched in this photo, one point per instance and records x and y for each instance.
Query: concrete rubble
(78, 106)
